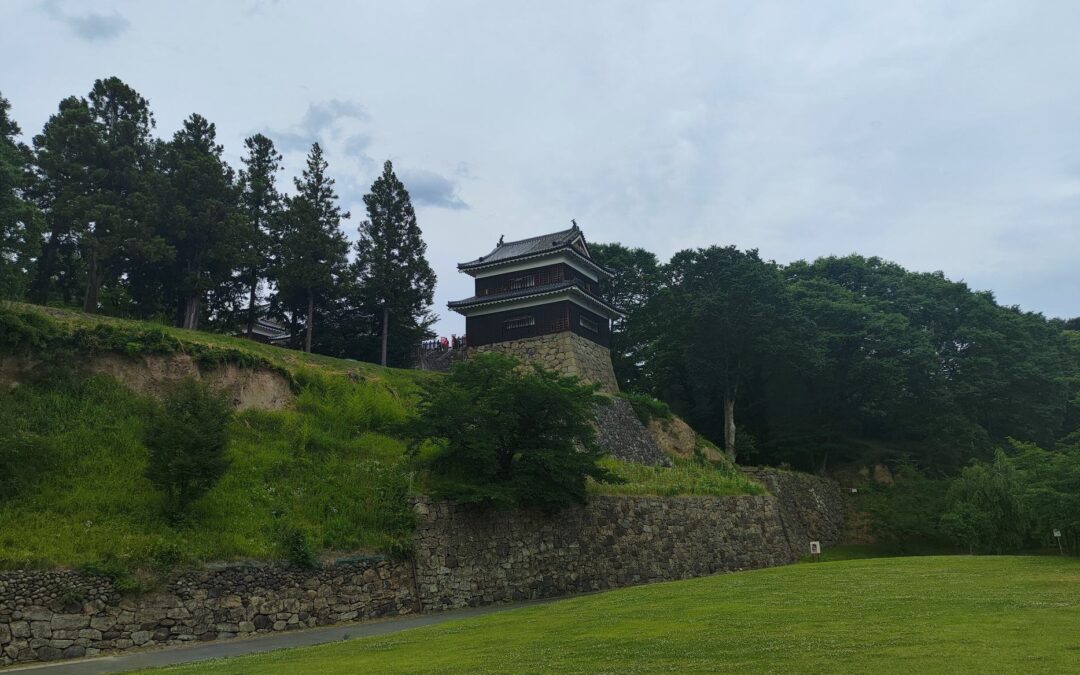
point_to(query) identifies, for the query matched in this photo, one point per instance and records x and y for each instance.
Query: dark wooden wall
(553, 317)
(544, 275)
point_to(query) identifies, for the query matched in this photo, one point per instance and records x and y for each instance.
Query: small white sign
(815, 548)
(1057, 533)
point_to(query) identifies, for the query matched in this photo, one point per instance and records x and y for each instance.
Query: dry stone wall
(463, 556)
(566, 353)
(47, 615)
(621, 434)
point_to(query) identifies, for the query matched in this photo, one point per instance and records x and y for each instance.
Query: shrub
(985, 511)
(907, 514)
(497, 434)
(295, 546)
(188, 438)
(646, 407)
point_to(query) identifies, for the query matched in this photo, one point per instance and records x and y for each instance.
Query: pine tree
(199, 216)
(118, 230)
(20, 221)
(64, 191)
(261, 205)
(312, 250)
(398, 282)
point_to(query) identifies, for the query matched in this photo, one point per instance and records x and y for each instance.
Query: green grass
(888, 615)
(686, 477)
(332, 465)
(89, 331)
(75, 493)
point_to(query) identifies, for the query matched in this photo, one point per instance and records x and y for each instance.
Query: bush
(985, 511)
(907, 514)
(188, 438)
(295, 546)
(497, 435)
(646, 407)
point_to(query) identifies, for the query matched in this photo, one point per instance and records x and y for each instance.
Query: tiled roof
(529, 292)
(533, 246)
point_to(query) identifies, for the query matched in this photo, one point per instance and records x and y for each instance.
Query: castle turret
(538, 299)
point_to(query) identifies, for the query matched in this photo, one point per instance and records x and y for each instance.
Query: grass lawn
(903, 615)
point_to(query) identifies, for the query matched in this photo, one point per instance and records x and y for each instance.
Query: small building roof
(542, 245)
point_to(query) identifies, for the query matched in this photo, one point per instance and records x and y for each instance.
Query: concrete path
(168, 656)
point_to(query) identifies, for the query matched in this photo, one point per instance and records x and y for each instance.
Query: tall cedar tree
(398, 282)
(64, 191)
(200, 216)
(20, 221)
(312, 250)
(118, 226)
(261, 205)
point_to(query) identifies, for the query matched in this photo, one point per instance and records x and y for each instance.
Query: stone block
(70, 621)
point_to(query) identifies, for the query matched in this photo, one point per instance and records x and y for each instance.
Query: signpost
(815, 550)
(1057, 535)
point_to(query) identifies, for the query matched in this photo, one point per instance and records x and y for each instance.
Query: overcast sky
(943, 136)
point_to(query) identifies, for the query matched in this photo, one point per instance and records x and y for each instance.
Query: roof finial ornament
(573, 221)
(500, 240)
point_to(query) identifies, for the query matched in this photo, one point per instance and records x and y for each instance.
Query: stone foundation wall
(811, 508)
(470, 557)
(463, 556)
(622, 435)
(47, 615)
(566, 353)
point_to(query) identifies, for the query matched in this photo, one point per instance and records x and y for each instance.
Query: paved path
(155, 658)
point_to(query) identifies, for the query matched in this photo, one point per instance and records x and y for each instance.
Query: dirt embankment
(152, 375)
(677, 439)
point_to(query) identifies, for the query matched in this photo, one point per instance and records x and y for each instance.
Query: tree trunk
(93, 282)
(191, 312)
(310, 320)
(385, 331)
(251, 304)
(729, 426)
(43, 282)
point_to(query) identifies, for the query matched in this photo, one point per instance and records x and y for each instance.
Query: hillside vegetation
(329, 471)
(889, 615)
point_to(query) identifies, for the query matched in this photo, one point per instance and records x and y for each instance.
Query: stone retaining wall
(46, 615)
(463, 556)
(566, 353)
(622, 435)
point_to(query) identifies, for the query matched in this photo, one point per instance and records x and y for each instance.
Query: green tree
(1051, 491)
(118, 228)
(396, 278)
(64, 191)
(199, 217)
(508, 437)
(723, 317)
(188, 440)
(20, 220)
(637, 279)
(985, 509)
(261, 204)
(312, 249)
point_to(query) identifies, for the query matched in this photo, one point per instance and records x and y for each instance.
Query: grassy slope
(333, 465)
(903, 615)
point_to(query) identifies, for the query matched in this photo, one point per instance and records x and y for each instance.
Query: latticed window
(519, 322)
(523, 282)
(589, 324)
(551, 276)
